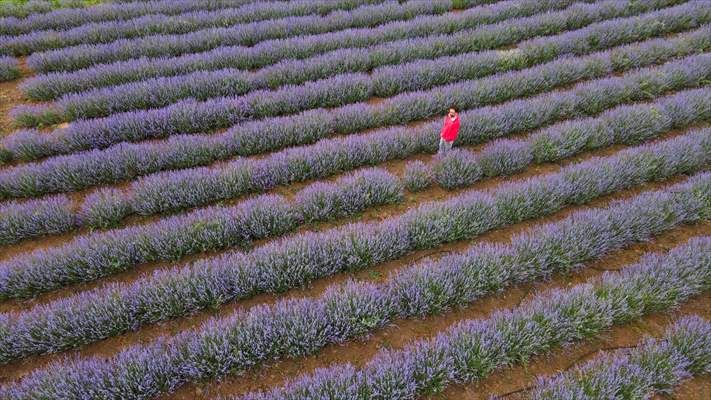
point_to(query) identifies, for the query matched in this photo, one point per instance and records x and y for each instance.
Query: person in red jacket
(450, 130)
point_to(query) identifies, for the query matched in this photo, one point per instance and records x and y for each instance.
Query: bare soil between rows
(11, 96)
(401, 332)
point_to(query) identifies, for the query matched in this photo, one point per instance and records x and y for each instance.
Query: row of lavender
(53, 85)
(653, 367)
(262, 54)
(108, 207)
(473, 349)
(24, 9)
(104, 24)
(296, 261)
(120, 162)
(41, 14)
(470, 350)
(270, 24)
(385, 81)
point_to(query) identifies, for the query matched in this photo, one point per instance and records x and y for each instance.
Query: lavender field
(249, 200)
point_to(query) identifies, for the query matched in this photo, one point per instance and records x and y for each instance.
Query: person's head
(452, 112)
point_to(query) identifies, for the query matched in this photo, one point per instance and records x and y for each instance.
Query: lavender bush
(334, 15)
(473, 349)
(457, 168)
(468, 351)
(417, 176)
(349, 195)
(427, 288)
(104, 208)
(36, 115)
(506, 157)
(654, 366)
(53, 85)
(9, 68)
(34, 218)
(268, 52)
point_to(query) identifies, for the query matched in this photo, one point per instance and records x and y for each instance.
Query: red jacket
(450, 129)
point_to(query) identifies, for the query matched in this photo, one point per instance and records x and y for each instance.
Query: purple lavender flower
(104, 208)
(457, 168)
(505, 157)
(9, 68)
(32, 218)
(417, 176)
(349, 195)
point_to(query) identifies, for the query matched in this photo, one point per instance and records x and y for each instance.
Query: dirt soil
(10, 97)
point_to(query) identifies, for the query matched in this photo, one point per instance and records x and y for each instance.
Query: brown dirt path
(11, 96)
